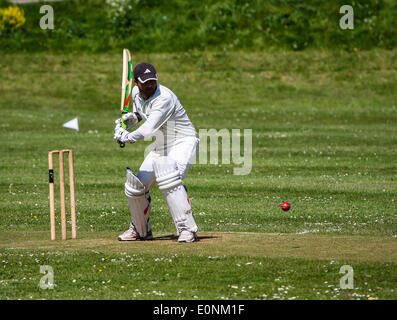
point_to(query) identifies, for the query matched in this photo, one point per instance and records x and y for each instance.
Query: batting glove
(131, 119)
(118, 124)
(120, 135)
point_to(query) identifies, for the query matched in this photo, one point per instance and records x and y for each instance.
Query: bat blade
(126, 86)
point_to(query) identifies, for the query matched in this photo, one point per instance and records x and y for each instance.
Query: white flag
(72, 124)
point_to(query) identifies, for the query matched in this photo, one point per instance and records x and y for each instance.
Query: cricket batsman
(169, 160)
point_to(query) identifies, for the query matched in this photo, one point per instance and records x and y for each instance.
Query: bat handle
(124, 126)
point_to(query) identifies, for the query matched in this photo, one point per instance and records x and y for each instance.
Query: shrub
(11, 19)
(183, 25)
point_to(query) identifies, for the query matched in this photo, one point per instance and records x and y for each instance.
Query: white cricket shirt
(164, 116)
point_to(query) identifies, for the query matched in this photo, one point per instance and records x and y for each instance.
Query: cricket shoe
(132, 235)
(187, 236)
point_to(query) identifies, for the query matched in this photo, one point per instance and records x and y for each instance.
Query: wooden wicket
(62, 193)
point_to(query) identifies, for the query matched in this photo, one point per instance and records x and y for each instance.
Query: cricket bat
(126, 87)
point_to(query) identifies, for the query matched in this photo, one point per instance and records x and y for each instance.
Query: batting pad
(139, 204)
(170, 184)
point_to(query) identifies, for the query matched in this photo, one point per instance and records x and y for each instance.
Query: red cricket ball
(285, 206)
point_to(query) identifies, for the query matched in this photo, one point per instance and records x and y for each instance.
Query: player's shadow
(173, 237)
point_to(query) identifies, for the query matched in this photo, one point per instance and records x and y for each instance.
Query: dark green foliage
(180, 25)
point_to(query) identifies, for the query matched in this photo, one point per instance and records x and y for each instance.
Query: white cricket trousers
(184, 153)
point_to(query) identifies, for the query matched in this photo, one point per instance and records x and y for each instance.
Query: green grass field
(324, 127)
